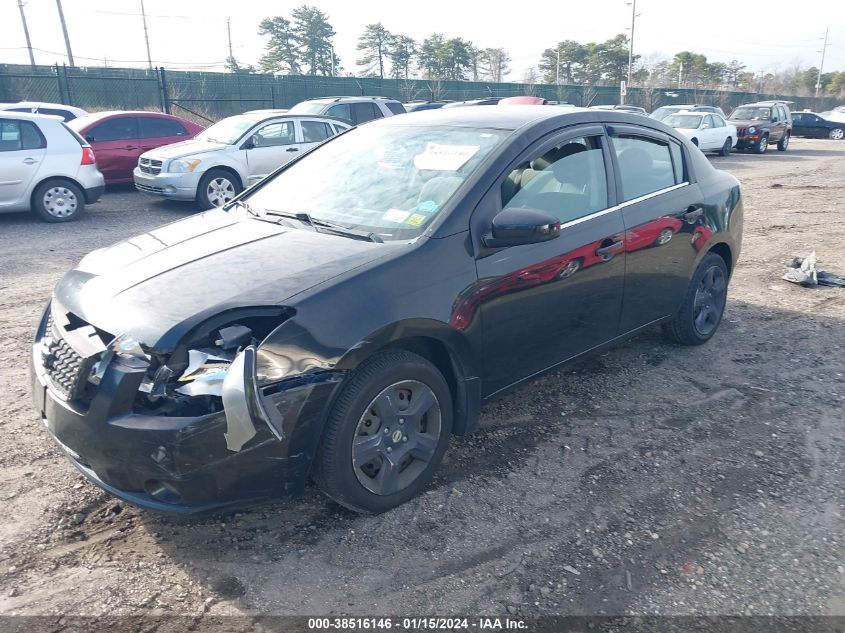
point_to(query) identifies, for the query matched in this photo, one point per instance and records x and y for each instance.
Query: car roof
(40, 104)
(29, 116)
(348, 98)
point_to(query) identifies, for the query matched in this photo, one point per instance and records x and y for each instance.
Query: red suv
(119, 138)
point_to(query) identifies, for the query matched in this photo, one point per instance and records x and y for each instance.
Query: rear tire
(704, 304)
(762, 145)
(379, 447)
(836, 134)
(783, 143)
(58, 201)
(217, 187)
(726, 147)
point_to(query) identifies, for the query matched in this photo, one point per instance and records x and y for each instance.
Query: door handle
(131, 147)
(606, 252)
(292, 149)
(692, 214)
(30, 161)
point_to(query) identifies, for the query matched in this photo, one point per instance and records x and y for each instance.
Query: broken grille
(67, 370)
(149, 166)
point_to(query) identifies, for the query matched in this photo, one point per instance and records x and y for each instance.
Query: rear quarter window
(395, 108)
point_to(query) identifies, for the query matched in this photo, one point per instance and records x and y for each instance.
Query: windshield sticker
(416, 219)
(427, 207)
(439, 157)
(396, 215)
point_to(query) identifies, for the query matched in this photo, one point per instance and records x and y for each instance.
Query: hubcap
(396, 437)
(837, 134)
(60, 202)
(220, 191)
(709, 300)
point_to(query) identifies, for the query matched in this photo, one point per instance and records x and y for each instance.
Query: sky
(192, 33)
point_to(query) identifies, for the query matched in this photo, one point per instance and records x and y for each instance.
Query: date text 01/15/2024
(415, 624)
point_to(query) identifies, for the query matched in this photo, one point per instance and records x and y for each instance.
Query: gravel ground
(649, 480)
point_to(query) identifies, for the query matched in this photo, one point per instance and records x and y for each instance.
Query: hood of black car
(180, 274)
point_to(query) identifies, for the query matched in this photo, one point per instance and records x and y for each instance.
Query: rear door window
(363, 112)
(315, 131)
(119, 129)
(20, 135)
(645, 165)
(157, 127)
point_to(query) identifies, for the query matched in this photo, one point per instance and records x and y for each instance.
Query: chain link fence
(208, 96)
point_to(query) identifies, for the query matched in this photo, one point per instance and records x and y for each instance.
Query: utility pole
(821, 65)
(680, 73)
(633, 4)
(146, 35)
(64, 30)
(26, 33)
(229, 33)
(558, 66)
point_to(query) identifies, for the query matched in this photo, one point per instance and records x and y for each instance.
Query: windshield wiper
(319, 224)
(249, 209)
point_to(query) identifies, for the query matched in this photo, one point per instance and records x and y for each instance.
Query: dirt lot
(651, 479)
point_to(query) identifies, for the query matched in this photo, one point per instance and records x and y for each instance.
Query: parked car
(814, 126)
(837, 114)
(420, 106)
(473, 102)
(68, 113)
(664, 111)
(622, 108)
(306, 328)
(523, 100)
(46, 168)
(231, 155)
(708, 131)
(119, 138)
(759, 125)
(356, 110)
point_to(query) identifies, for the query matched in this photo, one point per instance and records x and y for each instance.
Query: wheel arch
(723, 250)
(227, 168)
(44, 181)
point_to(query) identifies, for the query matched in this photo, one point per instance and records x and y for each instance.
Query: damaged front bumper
(259, 446)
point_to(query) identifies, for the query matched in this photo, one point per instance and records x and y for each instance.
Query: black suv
(761, 124)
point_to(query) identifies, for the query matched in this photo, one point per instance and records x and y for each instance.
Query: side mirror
(249, 143)
(90, 139)
(516, 226)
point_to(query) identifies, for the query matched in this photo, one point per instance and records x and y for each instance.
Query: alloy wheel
(709, 300)
(220, 191)
(837, 134)
(60, 202)
(664, 237)
(396, 437)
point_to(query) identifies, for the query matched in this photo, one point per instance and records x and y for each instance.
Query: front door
(661, 212)
(271, 146)
(116, 146)
(542, 304)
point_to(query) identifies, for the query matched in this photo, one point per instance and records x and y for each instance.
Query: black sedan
(347, 315)
(814, 126)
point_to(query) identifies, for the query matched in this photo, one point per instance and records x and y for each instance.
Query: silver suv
(356, 110)
(46, 167)
(226, 158)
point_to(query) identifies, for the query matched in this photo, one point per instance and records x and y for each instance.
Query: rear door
(660, 209)
(22, 151)
(155, 131)
(365, 111)
(541, 304)
(116, 146)
(270, 146)
(799, 124)
(778, 127)
(314, 132)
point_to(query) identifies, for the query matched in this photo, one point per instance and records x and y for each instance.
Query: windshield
(228, 130)
(683, 121)
(662, 113)
(307, 107)
(751, 114)
(388, 180)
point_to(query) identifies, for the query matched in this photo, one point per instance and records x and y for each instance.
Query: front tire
(704, 304)
(783, 143)
(836, 134)
(217, 187)
(58, 201)
(762, 145)
(386, 434)
(726, 147)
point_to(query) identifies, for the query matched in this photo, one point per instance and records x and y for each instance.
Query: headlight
(124, 350)
(752, 129)
(183, 166)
